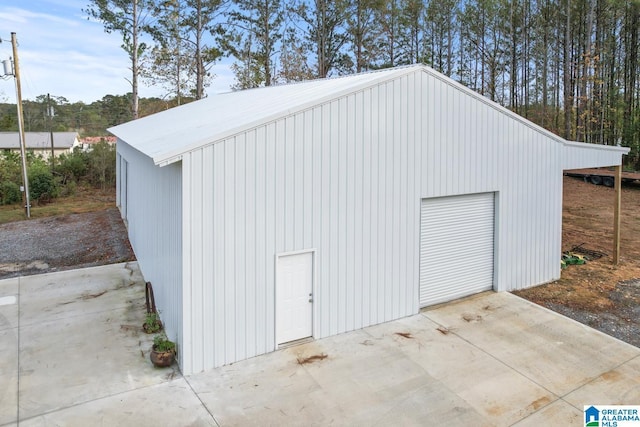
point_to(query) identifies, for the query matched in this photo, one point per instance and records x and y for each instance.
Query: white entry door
(294, 297)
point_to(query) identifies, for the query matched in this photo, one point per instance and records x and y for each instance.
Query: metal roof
(38, 140)
(166, 135)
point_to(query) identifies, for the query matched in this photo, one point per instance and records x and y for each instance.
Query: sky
(62, 53)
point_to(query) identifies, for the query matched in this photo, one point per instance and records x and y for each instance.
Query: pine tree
(322, 30)
(130, 18)
(256, 29)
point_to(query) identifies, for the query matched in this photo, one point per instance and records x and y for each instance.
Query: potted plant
(163, 351)
(152, 323)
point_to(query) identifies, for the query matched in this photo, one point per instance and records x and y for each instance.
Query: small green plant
(152, 323)
(162, 344)
(569, 258)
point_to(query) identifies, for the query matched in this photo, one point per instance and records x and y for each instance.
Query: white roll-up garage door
(456, 247)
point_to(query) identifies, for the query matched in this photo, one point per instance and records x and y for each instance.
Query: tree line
(57, 114)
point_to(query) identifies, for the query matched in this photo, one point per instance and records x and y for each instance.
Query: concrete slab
(8, 376)
(451, 361)
(88, 356)
(170, 403)
(72, 353)
(358, 383)
(558, 353)
(9, 303)
(558, 413)
(79, 340)
(65, 294)
(618, 386)
(9, 350)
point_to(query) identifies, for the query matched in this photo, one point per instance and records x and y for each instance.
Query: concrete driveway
(72, 353)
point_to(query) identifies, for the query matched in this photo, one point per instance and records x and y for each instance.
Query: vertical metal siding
(153, 210)
(579, 156)
(118, 181)
(346, 178)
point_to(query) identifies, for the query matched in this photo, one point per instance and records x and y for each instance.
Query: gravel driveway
(63, 242)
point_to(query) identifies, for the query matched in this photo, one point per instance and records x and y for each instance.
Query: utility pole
(50, 114)
(23, 148)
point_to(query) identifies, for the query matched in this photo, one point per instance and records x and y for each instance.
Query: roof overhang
(580, 155)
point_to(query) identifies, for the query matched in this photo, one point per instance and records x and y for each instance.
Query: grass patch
(86, 199)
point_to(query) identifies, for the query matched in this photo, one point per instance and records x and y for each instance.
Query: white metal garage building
(307, 210)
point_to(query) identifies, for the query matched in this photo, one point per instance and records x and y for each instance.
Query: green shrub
(68, 189)
(72, 167)
(9, 193)
(10, 167)
(41, 182)
(102, 165)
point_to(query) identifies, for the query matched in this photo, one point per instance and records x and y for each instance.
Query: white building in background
(306, 210)
(39, 143)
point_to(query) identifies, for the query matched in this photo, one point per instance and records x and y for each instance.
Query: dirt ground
(598, 294)
(63, 242)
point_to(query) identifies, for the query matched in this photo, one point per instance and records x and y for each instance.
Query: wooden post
(616, 215)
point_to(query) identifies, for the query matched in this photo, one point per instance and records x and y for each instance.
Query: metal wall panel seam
(350, 259)
(316, 212)
(325, 228)
(196, 259)
(185, 353)
(341, 208)
(365, 201)
(270, 233)
(240, 240)
(358, 236)
(381, 229)
(218, 257)
(251, 278)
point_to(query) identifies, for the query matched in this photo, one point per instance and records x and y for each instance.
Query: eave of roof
(576, 144)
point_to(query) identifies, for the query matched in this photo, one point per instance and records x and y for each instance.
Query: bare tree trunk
(568, 98)
(134, 63)
(513, 81)
(631, 30)
(583, 112)
(359, 37)
(545, 21)
(322, 38)
(525, 55)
